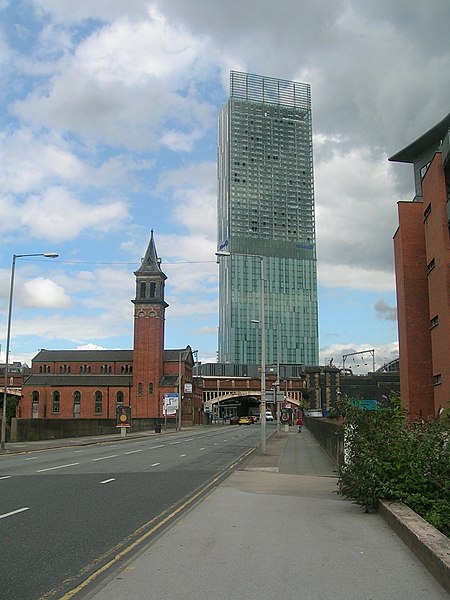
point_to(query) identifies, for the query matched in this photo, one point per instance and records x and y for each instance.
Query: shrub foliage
(386, 458)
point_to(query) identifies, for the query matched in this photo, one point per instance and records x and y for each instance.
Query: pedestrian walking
(299, 425)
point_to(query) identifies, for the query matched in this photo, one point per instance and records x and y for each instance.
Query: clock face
(123, 418)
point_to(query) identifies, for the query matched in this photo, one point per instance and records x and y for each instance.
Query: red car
(234, 420)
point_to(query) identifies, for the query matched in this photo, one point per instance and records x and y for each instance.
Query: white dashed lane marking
(60, 467)
(14, 512)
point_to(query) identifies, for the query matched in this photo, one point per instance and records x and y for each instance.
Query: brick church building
(93, 384)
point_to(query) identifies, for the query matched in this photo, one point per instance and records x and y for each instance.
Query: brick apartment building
(87, 384)
(422, 267)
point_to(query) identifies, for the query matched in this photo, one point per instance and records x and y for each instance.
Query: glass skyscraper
(266, 209)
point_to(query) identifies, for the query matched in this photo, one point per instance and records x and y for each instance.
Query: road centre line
(104, 457)
(201, 448)
(155, 464)
(173, 443)
(183, 455)
(134, 451)
(6, 477)
(153, 447)
(108, 480)
(14, 512)
(60, 467)
(32, 458)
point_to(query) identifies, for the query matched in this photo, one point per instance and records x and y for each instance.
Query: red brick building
(66, 384)
(422, 267)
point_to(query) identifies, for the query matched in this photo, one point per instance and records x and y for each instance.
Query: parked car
(251, 418)
(269, 416)
(234, 420)
(244, 421)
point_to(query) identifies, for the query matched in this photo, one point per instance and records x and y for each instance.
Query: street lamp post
(8, 337)
(263, 346)
(180, 390)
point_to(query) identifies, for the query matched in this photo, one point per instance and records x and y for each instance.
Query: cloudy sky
(108, 130)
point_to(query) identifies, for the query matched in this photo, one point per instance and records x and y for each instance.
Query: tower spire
(150, 264)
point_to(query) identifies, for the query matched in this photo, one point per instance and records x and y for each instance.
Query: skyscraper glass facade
(266, 209)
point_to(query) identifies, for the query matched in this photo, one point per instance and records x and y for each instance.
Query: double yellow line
(174, 511)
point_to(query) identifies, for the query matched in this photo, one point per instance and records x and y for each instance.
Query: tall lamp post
(263, 346)
(180, 391)
(8, 337)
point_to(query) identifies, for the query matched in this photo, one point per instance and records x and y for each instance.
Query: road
(66, 512)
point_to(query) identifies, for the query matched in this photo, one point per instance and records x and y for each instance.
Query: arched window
(77, 397)
(56, 398)
(139, 389)
(152, 290)
(142, 290)
(35, 397)
(119, 398)
(98, 402)
(150, 389)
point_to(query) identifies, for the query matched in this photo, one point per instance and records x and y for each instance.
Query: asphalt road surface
(66, 512)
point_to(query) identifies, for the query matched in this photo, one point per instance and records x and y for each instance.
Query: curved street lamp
(8, 337)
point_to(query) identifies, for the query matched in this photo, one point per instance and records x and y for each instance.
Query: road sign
(269, 397)
(170, 406)
(123, 416)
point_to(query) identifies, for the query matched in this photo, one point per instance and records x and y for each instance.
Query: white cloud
(58, 216)
(30, 161)
(44, 293)
(124, 84)
(193, 192)
(356, 219)
(69, 11)
(335, 274)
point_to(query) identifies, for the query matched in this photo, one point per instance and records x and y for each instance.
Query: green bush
(388, 459)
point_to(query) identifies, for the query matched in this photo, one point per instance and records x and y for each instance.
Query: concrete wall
(328, 433)
(31, 430)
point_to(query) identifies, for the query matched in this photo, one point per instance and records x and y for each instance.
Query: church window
(152, 289)
(35, 397)
(98, 402)
(142, 290)
(56, 402)
(139, 389)
(119, 398)
(150, 389)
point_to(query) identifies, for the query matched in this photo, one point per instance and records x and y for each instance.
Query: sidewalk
(276, 529)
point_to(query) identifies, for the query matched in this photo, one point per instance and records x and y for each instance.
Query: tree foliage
(386, 458)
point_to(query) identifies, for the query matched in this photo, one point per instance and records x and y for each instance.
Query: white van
(269, 415)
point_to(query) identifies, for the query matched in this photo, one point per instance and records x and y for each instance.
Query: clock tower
(148, 349)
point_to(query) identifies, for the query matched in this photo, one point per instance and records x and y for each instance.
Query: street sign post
(123, 419)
